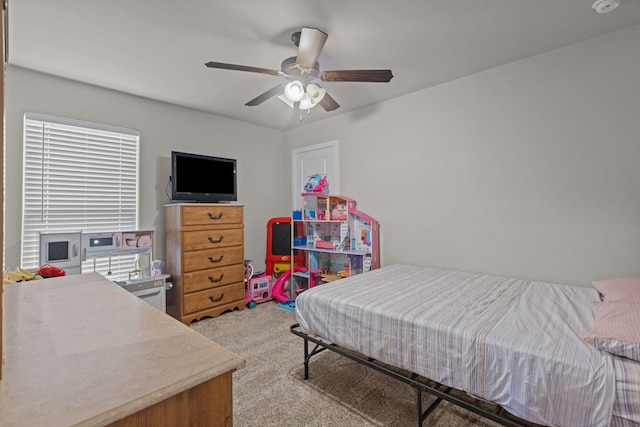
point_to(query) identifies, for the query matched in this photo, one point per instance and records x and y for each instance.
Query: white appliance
(150, 290)
(95, 245)
(62, 250)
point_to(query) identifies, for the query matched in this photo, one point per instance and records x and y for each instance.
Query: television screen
(201, 178)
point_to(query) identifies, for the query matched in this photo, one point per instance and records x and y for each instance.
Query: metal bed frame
(440, 391)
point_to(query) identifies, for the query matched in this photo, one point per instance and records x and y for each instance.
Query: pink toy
(316, 183)
(278, 288)
(258, 289)
(321, 244)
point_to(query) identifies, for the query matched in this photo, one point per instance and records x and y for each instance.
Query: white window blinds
(77, 176)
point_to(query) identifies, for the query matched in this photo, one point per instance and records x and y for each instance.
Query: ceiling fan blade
(311, 43)
(380, 76)
(328, 103)
(236, 67)
(266, 95)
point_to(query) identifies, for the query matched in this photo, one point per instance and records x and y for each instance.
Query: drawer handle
(215, 217)
(212, 240)
(216, 299)
(219, 279)
(216, 260)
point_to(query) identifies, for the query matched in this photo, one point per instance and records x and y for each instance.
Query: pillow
(616, 328)
(619, 289)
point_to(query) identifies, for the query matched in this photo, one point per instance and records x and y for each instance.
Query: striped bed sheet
(626, 409)
(514, 342)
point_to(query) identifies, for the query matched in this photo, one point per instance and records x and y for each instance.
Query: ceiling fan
(302, 70)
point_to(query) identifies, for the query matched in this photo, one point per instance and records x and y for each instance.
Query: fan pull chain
(308, 113)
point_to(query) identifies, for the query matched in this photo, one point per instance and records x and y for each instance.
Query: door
(322, 159)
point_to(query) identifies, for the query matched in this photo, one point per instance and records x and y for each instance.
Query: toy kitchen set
(68, 250)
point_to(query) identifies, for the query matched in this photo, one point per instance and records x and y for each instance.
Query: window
(78, 176)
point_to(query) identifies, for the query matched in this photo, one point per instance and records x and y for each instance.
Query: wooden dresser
(205, 257)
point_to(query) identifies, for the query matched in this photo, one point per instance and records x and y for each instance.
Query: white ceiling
(157, 48)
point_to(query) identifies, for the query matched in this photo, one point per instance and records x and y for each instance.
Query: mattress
(515, 342)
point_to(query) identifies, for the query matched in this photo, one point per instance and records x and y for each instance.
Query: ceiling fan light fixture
(294, 91)
(315, 93)
(301, 69)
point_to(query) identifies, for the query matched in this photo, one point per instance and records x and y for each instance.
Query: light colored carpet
(271, 390)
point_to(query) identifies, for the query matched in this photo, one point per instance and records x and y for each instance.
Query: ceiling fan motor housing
(291, 68)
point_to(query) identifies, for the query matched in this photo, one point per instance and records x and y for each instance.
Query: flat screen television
(201, 178)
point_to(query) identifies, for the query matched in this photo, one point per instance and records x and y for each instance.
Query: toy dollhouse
(336, 240)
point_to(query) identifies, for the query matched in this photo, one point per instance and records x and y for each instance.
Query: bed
(517, 343)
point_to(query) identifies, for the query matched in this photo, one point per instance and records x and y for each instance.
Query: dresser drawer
(217, 238)
(210, 298)
(211, 215)
(213, 277)
(212, 258)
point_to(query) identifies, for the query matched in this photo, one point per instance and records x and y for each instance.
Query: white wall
(163, 127)
(527, 170)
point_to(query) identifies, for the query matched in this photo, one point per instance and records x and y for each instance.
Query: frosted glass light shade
(308, 97)
(294, 91)
(316, 93)
(306, 103)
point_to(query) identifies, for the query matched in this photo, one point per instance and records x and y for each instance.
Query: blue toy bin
(299, 241)
(297, 215)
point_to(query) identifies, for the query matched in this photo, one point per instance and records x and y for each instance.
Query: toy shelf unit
(336, 240)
